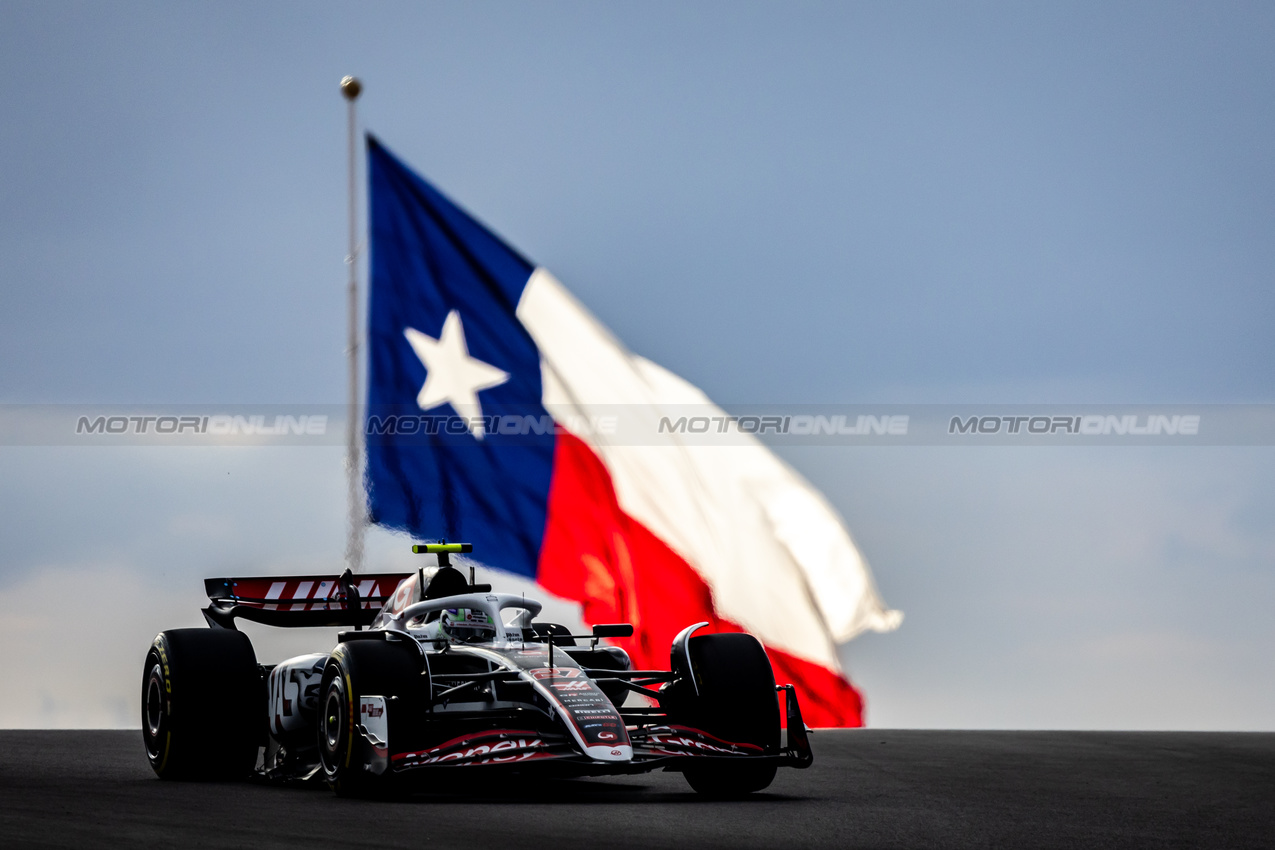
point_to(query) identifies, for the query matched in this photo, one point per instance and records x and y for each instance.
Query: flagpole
(357, 521)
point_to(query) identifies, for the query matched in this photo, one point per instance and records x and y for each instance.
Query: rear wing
(294, 601)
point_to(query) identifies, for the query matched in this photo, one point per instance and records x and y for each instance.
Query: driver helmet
(467, 625)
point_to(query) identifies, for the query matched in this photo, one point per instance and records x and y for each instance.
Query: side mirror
(613, 630)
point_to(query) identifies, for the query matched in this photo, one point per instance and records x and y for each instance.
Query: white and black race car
(449, 676)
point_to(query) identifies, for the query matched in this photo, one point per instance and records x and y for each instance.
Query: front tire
(203, 705)
(735, 702)
(356, 669)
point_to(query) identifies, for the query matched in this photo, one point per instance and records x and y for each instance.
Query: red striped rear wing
(311, 600)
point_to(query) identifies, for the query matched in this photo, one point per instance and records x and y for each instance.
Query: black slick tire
(203, 705)
(736, 702)
(356, 669)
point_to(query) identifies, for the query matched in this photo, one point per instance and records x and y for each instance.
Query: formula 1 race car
(449, 676)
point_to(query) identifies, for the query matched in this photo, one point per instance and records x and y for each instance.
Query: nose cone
(622, 752)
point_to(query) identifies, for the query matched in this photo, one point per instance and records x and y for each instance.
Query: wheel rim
(333, 708)
(154, 709)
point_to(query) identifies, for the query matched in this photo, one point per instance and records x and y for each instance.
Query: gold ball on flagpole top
(351, 87)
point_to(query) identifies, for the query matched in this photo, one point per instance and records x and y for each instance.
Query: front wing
(656, 745)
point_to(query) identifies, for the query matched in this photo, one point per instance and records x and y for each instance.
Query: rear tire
(356, 669)
(736, 703)
(203, 705)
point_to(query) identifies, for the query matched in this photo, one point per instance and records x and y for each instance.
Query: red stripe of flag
(595, 554)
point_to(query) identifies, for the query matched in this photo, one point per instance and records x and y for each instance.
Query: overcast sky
(784, 203)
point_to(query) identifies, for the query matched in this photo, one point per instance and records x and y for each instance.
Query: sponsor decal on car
(375, 727)
(496, 747)
(572, 686)
(555, 673)
(684, 740)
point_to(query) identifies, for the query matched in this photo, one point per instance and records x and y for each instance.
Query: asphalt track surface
(868, 788)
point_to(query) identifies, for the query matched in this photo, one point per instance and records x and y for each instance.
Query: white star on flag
(451, 375)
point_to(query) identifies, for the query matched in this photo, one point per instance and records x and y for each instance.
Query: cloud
(1064, 588)
(77, 637)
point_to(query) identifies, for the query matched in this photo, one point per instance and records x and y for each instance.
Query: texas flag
(502, 413)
